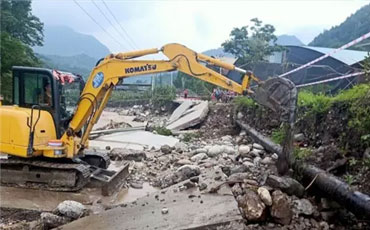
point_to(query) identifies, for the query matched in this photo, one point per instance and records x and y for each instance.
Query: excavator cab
(48, 90)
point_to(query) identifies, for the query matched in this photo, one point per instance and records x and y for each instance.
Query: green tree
(252, 44)
(353, 27)
(19, 30)
(194, 85)
(18, 21)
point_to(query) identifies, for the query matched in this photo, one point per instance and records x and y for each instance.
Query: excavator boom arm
(110, 71)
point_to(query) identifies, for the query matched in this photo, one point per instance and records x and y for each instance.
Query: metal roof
(348, 57)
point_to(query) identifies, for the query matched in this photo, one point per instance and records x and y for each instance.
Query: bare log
(356, 202)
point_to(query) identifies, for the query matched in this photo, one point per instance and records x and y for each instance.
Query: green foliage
(357, 99)
(162, 95)
(353, 27)
(349, 179)
(163, 131)
(316, 103)
(194, 85)
(251, 49)
(17, 21)
(190, 136)
(278, 135)
(244, 102)
(19, 30)
(302, 153)
(365, 140)
(352, 162)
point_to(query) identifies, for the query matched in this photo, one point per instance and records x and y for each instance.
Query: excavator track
(32, 173)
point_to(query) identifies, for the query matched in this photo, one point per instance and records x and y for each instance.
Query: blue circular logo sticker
(98, 80)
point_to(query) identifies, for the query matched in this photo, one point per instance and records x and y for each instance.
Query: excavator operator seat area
(32, 87)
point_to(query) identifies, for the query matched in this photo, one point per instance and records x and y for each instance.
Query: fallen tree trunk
(356, 202)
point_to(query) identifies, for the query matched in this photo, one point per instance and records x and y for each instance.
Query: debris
(181, 147)
(197, 115)
(166, 149)
(257, 146)
(265, 196)
(299, 137)
(189, 170)
(136, 185)
(164, 211)
(179, 111)
(216, 150)
(137, 140)
(71, 209)
(244, 150)
(199, 157)
(267, 161)
(303, 206)
(286, 184)
(127, 154)
(52, 221)
(280, 209)
(183, 162)
(252, 206)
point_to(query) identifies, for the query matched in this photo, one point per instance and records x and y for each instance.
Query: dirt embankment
(331, 132)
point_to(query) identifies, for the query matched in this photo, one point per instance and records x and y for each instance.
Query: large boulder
(286, 184)
(252, 206)
(280, 210)
(71, 209)
(188, 171)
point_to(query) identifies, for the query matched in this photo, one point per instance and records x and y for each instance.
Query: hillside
(353, 27)
(63, 41)
(79, 64)
(288, 40)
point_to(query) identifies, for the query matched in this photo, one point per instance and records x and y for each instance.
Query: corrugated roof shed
(348, 57)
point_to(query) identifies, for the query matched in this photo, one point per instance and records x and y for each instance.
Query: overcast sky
(200, 25)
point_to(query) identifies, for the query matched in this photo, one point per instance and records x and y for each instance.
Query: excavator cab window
(33, 88)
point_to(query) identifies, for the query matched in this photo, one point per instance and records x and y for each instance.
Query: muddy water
(33, 199)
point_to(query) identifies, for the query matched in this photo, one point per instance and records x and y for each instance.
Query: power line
(128, 36)
(96, 5)
(101, 27)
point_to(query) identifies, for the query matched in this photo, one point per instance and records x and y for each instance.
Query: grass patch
(302, 153)
(243, 101)
(316, 103)
(190, 136)
(163, 131)
(278, 135)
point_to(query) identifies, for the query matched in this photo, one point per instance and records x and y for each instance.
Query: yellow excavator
(44, 133)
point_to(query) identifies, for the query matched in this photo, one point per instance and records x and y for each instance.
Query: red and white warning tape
(331, 79)
(357, 40)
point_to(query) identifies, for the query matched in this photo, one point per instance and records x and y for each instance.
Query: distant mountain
(288, 40)
(219, 52)
(79, 64)
(353, 27)
(63, 41)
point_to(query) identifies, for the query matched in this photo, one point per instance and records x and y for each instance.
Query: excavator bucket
(278, 94)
